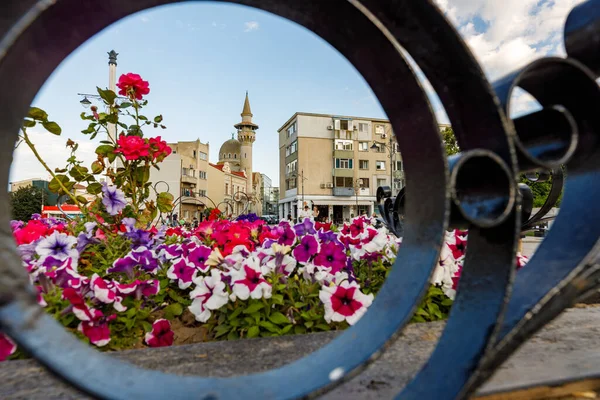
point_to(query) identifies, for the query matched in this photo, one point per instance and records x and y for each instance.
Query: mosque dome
(230, 151)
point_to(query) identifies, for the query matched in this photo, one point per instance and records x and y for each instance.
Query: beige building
(227, 188)
(336, 163)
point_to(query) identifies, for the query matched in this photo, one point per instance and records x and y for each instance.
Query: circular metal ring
(372, 47)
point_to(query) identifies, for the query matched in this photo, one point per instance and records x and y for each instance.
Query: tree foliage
(26, 201)
(450, 141)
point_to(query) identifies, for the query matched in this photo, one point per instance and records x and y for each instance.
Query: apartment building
(336, 163)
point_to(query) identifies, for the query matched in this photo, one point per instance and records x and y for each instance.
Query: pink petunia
(161, 334)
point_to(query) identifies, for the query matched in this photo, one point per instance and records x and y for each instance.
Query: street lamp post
(392, 150)
(357, 187)
(301, 176)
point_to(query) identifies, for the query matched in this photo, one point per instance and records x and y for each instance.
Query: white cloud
(53, 151)
(515, 33)
(251, 26)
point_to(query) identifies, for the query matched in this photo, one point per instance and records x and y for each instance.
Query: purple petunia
(57, 245)
(113, 199)
(306, 249)
(141, 257)
(198, 257)
(331, 256)
(305, 228)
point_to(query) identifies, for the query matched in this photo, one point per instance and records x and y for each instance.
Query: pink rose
(132, 85)
(132, 147)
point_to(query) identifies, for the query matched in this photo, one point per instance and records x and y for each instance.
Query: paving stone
(565, 349)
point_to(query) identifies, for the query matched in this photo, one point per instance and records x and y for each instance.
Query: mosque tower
(246, 131)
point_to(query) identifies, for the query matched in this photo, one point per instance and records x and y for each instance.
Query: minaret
(112, 85)
(246, 135)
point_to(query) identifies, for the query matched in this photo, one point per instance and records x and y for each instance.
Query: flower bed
(225, 280)
(119, 281)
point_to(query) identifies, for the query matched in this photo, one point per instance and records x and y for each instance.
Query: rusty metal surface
(494, 311)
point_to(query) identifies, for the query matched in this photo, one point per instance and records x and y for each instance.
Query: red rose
(132, 85)
(159, 148)
(132, 147)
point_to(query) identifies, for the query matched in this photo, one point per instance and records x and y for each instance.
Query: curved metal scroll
(476, 189)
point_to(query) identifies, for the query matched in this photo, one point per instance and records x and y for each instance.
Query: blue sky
(200, 58)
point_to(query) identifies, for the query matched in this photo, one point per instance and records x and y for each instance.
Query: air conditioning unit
(355, 127)
(329, 185)
(383, 135)
(330, 128)
(323, 186)
(191, 166)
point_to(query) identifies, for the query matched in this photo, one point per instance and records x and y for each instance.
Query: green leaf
(269, 326)
(279, 319)
(147, 326)
(94, 188)
(252, 308)
(28, 123)
(277, 298)
(52, 127)
(82, 199)
(286, 329)
(78, 173)
(142, 174)
(173, 310)
(299, 329)
(125, 104)
(54, 185)
(97, 168)
(164, 201)
(253, 332)
(233, 335)
(235, 313)
(222, 330)
(107, 95)
(37, 114)
(158, 119)
(323, 327)
(309, 324)
(105, 149)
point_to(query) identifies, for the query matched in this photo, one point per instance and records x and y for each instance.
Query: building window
(363, 127)
(344, 163)
(363, 164)
(184, 172)
(342, 124)
(195, 154)
(379, 148)
(343, 145)
(381, 182)
(234, 155)
(291, 167)
(227, 188)
(363, 146)
(245, 155)
(380, 165)
(398, 166)
(364, 182)
(203, 156)
(379, 129)
(291, 183)
(293, 128)
(291, 149)
(202, 192)
(202, 174)
(186, 214)
(341, 181)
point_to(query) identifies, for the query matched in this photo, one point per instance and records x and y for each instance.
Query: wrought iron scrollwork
(494, 311)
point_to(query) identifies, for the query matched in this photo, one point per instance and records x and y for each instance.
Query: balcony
(343, 154)
(343, 191)
(189, 179)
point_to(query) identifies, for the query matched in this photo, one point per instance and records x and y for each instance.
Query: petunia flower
(161, 334)
(113, 199)
(332, 256)
(105, 294)
(97, 331)
(307, 227)
(249, 281)
(57, 245)
(198, 258)
(208, 295)
(344, 302)
(7, 347)
(308, 247)
(182, 273)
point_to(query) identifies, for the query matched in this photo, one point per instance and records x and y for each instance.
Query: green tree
(450, 141)
(540, 190)
(26, 201)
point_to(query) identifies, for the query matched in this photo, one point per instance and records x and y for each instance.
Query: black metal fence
(494, 311)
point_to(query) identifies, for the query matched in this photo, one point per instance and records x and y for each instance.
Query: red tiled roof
(239, 174)
(220, 168)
